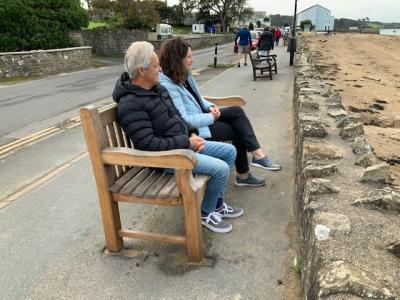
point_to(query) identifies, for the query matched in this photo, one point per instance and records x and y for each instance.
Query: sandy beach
(365, 70)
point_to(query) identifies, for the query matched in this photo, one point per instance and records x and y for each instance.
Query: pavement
(51, 239)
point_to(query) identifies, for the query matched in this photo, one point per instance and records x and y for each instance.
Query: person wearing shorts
(243, 39)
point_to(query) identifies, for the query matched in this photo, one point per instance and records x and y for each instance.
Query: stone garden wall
(114, 42)
(44, 62)
(347, 211)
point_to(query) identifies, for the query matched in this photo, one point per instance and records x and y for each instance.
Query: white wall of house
(320, 17)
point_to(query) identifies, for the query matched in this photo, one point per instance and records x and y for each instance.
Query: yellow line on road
(26, 140)
(42, 180)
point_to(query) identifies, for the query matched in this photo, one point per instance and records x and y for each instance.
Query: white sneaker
(227, 211)
(214, 222)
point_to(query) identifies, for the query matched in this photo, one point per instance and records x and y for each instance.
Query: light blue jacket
(187, 104)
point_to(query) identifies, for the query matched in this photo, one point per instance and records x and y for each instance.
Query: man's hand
(196, 143)
(214, 110)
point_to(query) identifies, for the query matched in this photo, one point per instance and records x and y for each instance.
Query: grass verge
(93, 24)
(17, 79)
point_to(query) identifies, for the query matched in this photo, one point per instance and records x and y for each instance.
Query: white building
(320, 17)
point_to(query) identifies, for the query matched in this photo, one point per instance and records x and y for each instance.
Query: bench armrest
(227, 101)
(175, 159)
(271, 55)
(258, 61)
(267, 59)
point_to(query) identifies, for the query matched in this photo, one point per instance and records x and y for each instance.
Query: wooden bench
(263, 64)
(124, 174)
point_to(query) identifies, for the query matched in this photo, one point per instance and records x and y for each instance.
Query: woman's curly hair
(171, 57)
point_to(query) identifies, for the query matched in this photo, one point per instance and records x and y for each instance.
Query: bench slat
(124, 179)
(138, 179)
(112, 139)
(168, 187)
(157, 186)
(144, 185)
(108, 116)
(120, 139)
(165, 201)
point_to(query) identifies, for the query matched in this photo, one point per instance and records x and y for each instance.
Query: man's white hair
(138, 56)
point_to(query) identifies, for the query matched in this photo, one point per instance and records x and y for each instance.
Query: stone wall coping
(48, 51)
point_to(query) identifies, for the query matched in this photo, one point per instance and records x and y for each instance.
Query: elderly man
(150, 119)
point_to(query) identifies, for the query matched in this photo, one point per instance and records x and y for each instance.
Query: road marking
(211, 80)
(28, 139)
(11, 198)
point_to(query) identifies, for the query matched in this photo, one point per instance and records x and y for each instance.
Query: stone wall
(44, 62)
(347, 210)
(114, 42)
(109, 42)
(203, 41)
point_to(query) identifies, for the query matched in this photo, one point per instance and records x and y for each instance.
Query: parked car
(255, 35)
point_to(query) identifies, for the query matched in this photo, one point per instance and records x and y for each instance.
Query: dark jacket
(266, 41)
(244, 37)
(149, 118)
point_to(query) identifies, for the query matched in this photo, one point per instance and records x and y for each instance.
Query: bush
(306, 22)
(39, 24)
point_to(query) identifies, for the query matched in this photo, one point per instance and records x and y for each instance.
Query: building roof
(312, 7)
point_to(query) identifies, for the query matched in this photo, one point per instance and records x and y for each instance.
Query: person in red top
(278, 35)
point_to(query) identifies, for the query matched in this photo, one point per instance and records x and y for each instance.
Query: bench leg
(270, 73)
(111, 222)
(191, 208)
(254, 75)
(193, 233)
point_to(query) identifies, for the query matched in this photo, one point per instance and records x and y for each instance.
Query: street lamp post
(293, 40)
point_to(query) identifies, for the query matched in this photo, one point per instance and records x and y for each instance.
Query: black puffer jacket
(149, 117)
(266, 41)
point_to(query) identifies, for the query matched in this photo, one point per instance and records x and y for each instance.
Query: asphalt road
(35, 105)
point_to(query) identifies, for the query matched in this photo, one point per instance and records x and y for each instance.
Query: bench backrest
(103, 130)
(254, 55)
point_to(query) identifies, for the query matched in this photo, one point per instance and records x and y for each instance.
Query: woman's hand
(214, 110)
(196, 143)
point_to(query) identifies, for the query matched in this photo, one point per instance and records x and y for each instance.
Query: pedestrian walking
(265, 42)
(243, 40)
(278, 35)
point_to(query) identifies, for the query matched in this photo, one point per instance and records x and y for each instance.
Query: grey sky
(382, 10)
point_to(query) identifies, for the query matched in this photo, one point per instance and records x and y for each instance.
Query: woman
(151, 121)
(230, 123)
(265, 42)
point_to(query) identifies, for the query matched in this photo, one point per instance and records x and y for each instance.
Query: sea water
(389, 31)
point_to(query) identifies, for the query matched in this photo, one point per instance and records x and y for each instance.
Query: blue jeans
(215, 160)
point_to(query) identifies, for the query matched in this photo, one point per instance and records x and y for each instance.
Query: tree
(225, 9)
(251, 26)
(137, 14)
(280, 20)
(258, 23)
(242, 12)
(188, 6)
(102, 9)
(39, 24)
(304, 23)
(266, 19)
